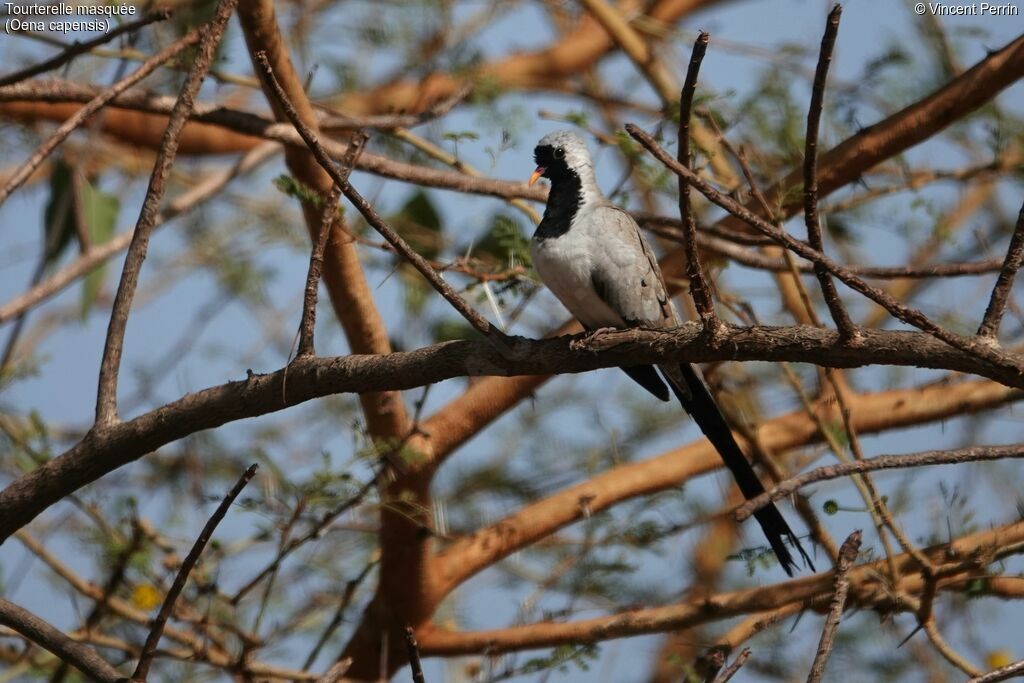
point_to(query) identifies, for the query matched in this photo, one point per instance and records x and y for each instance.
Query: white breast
(565, 264)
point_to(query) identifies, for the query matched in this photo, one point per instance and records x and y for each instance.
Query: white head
(562, 154)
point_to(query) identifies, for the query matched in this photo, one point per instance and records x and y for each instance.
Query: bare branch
(1002, 541)
(121, 443)
(699, 288)
(372, 217)
(841, 587)
(106, 394)
(828, 288)
(316, 262)
(37, 631)
(413, 650)
(882, 462)
(1009, 364)
(1001, 292)
(80, 48)
(1003, 673)
(728, 672)
(93, 106)
(149, 649)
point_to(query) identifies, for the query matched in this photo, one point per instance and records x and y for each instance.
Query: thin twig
(882, 462)
(1001, 674)
(82, 115)
(478, 322)
(828, 287)
(149, 649)
(80, 48)
(841, 587)
(315, 531)
(931, 629)
(106, 394)
(97, 254)
(1001, 292)
(37, 631)
(728, 672)
(336, 672)
(413, 650)
(699, 289)
(316, 263)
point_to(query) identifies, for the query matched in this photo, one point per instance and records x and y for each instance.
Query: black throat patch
(565, 196)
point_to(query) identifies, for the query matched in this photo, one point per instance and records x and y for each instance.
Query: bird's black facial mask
(566, 191)
(550, 163)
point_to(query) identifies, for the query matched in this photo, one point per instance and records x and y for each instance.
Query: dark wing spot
(600, 287)
(643, 283)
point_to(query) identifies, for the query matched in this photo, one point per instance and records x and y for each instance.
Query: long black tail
(702, 407)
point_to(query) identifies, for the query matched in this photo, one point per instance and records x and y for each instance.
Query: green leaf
(420, 224)
(455, 136)
(99, 211)
(450, 330)
(59, 214)
(505, 243)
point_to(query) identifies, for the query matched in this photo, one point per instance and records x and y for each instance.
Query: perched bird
(593, 257)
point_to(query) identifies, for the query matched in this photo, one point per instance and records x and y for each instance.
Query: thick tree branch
(233, 130)
(104, 450)
(344, 278)
(872, 413)
(1007, 364)
(1004, 673)
(967, 553)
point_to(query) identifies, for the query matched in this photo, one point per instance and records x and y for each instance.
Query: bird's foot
(584, 342)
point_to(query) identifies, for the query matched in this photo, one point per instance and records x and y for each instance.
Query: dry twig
(699, 288)
(149, 649)
(77, 48)
(106, 394)
(841, 587)
(828, 287)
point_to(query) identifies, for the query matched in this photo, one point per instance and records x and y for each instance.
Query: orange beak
(536, 175)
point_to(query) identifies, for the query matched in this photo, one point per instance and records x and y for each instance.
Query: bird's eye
(559, 153)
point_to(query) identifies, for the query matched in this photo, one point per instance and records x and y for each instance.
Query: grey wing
(627, 276)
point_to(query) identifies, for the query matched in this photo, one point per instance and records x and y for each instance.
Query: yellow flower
(996, 659)
(145, 597)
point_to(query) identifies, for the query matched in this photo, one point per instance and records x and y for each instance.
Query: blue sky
(64, 388)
